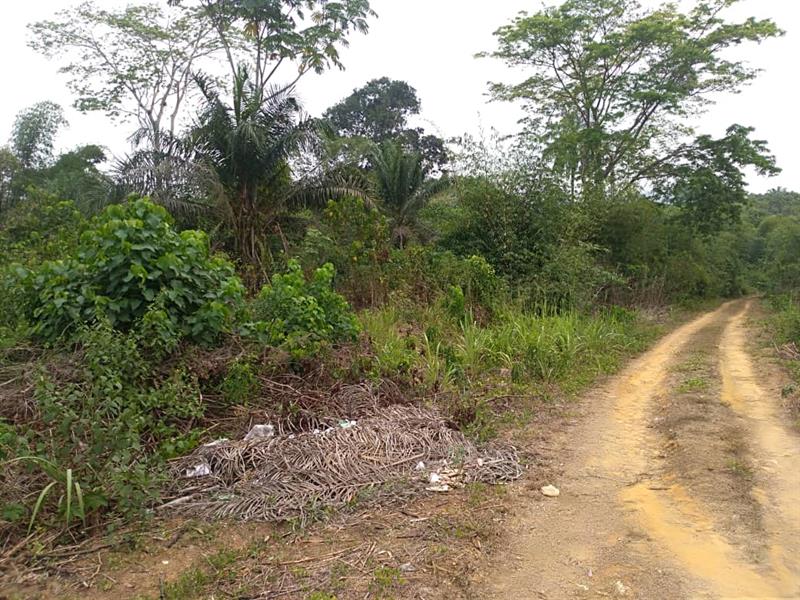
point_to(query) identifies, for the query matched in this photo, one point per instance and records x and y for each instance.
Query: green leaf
(39, 501)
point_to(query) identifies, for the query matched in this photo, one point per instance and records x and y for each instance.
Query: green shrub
(42, 227)
(355, 240)
(786, 318)
(424, 275)
(37, 229)
(301, 315)
(110, 426)
(240, 383)
(129, 259)
(455, 303)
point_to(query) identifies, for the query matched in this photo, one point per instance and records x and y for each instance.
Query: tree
(379, 111)
(9, 170)
(608, 83)
(34, 134)
(778, 201)
(132, 63)
(265, 35)
(707, 181)
(401, 184)
(75, 176)
(243, 160)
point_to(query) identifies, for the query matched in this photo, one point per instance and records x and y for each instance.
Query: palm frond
(176, 177)
(332, 186)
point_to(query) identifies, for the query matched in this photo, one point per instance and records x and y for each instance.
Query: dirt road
(683, 481)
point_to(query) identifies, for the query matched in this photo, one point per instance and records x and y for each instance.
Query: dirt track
(683, 482)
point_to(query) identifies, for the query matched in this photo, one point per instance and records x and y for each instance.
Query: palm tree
(248, 146)
(246, 160)
(401, 183)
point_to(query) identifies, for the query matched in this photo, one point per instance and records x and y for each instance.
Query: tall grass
(785, 320)
(565, 348)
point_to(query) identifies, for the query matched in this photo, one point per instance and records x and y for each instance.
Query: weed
(320, 596)
(240, 383)
(385, 580)
(479, 493)
(190, 583)
(740, 468)
(393, 356)
(694, 384)
(696, 361)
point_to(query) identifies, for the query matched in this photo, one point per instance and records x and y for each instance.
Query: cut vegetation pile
(395, 451)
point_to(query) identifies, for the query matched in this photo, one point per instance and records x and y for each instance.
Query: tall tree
(707, 181)
(265, 35)
(608, 84)
(380, 111)
(34, 134)
(9, 171)
(76, 176)
(132, 63)
(242, 158)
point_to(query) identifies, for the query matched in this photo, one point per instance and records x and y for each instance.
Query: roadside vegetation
(247, 261)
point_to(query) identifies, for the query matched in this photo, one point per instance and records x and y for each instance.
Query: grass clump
(693, 384)
(191, 583)
(386, 581)
(460, 358)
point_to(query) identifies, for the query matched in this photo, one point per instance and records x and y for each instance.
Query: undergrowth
(466, 362)
(783, 323)
(141, 341)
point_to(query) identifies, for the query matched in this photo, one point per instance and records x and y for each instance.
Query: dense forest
(247, 261)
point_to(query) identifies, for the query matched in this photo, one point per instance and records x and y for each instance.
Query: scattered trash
(164, 562)
(277, 476)
(551, 491)
(200, 470)
(215, 443)
(260, 432)
(445, 479)
(621, 588)
(407, 568)
(438, 488)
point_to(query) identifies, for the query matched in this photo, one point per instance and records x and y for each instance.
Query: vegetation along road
(276, 331)
(684, 478)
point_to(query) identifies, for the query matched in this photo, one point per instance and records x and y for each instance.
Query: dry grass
(299, 474)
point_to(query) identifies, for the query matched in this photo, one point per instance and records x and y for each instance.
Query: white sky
(431, 44)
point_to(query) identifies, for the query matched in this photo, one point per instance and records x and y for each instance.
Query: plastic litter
(200, 470)
(260, 432)
(215, 443)
(438, 488)
(551, 491)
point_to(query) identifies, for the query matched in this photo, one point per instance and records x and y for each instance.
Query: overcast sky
(431, 44)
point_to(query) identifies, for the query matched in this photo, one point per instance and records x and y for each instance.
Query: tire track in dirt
(626, 526)
(775, 452)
